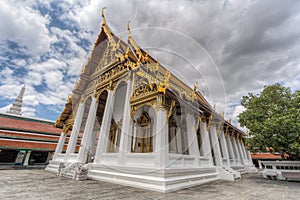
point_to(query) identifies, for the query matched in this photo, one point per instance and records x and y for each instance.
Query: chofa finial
(128, 28)
(103, 12)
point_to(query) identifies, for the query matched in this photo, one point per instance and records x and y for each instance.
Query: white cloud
(249, 53)
(28, 111)
(5, 108)
(24, 25)
(33, 78)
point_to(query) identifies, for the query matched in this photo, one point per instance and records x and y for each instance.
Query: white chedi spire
(17, 105)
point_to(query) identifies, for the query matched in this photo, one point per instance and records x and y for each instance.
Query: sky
(229, 47)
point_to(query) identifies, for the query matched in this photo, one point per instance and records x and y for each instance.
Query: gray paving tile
(38, 184)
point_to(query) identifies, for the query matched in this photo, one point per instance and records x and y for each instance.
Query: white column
(224, 147)
(244, 152)
(236, 150)
(249, 158)
(238, 144)
(93, 142)
(87, 133)
(215, 145)
(27, 158)
(161, 139)
(60, 145)
(105, 127)
(75, 130)
(205, 142)
(260, 164)
(192, 137)
(126, 126)
(230, 150)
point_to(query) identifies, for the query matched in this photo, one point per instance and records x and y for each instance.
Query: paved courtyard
(38, 184)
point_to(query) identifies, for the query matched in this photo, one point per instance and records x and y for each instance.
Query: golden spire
(104, 25)
(103, 16)
(140, 56)
(103, 12)
(128, 28)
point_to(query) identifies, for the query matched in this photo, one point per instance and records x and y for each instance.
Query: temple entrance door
(142, 138)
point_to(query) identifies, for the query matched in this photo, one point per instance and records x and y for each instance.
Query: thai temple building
(143, 127)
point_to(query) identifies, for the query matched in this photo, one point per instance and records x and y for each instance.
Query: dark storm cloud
(253, 43)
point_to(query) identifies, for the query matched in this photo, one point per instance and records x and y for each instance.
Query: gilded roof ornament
(140, 56)
(156, 67)
(128, 28)
(222, 114)
(195, 87)
(165, 84)
(104, 25)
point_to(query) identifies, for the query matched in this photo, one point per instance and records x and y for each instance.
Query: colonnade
(216, 148)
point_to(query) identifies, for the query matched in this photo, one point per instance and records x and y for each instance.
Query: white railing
(274, 169)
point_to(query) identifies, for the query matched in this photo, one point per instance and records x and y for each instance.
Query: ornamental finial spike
(195, 87)
(128, 25)
(128, 28)
(103, 12)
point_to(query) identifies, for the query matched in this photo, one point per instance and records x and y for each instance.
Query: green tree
(273, 118)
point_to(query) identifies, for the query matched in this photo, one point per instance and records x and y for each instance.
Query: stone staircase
(235, 174)
(53, 166)
(240, 169)
(67, 171)
(75, 171)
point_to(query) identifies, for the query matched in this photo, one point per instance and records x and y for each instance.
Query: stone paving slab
(38, 184)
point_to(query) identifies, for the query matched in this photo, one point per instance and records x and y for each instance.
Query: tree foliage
(273, 118)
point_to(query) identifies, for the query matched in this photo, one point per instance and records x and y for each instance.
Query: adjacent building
(26, 141)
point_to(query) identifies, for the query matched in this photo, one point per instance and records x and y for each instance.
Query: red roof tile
(26, 124)
(265, 156)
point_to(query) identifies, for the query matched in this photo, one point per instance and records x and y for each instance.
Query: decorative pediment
(144, 119)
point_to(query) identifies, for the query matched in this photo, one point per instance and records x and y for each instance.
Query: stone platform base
(160, 180)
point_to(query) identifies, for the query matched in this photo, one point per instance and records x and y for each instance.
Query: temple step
(53, 166)
(154, 179)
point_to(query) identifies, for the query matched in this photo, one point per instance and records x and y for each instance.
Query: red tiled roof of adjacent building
(265, 156)
(12, 122)
(17, 132)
